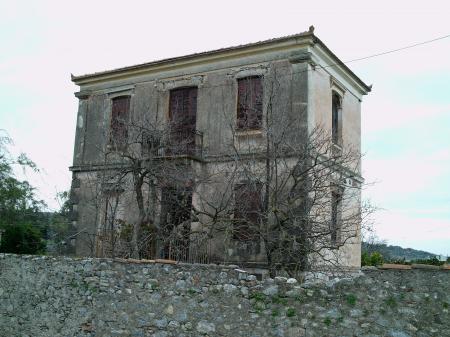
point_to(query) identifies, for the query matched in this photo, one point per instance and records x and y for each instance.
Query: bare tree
(282, 193)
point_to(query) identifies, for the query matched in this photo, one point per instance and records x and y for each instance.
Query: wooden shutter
(183, 118)
(336, 199)
(250, 105)
(119, 119)
(335, 120)
(247, 211)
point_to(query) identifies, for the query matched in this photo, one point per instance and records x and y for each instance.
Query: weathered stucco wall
(44, 296)
(296, 92)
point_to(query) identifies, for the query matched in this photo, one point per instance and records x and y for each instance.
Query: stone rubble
(48, 296)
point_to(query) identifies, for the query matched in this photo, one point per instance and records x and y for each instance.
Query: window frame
(118, 135)
(336, 215)
(242, 117)
(183, 138)
(242, 224)
(336, 118)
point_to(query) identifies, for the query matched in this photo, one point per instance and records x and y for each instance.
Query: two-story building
(208, 143)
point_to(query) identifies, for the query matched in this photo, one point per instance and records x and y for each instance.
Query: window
(250, 103)
(336, 129)
(247, 211)
(183, 117)
(336, 210)
(175, 222)
(119, 119)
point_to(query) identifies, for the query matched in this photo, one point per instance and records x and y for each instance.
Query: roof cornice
(291, 41)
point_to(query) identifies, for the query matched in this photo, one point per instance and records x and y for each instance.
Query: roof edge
(368, 88)
(78, 80)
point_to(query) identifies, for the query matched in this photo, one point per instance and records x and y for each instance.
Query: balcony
(176, 144)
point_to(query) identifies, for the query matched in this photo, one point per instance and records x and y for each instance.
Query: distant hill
(396, 252)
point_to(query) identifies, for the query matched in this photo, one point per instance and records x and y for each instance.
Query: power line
(329, 65)
(399, 49)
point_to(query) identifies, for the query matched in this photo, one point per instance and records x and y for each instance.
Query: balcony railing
(175, 144)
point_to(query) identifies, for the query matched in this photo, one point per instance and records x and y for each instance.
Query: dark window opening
(250, 103)
(247, 211)
(176, 206)
(336, 201)
(119, 119)
(183, 116)
(336, 120)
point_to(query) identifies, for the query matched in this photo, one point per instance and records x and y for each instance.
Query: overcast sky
(405, 119)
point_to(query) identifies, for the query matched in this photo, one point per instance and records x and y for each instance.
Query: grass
(275, 313)
(350, 299)
(391, 302)
(327, 321)
(279, 300)
(258, 297)
(191, 291)
(290, 312)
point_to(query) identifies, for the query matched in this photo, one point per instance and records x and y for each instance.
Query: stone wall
(45, 296)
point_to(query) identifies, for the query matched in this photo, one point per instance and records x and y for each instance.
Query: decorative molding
(124, 90)
(337, 86)
(259, 70)
(178, 82)
(301, 57)
(81, 95)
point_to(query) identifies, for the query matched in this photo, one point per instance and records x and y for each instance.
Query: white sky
(406, 118)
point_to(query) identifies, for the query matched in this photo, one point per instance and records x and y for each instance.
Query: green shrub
(374, 259)
(351, 299)
(434, 261)
(258, 297)
(391, 302)
(290, 312)
(22, 239)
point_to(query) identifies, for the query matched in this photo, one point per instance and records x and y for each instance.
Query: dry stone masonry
(46, 296)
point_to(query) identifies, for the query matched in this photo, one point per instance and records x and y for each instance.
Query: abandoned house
(246, 155)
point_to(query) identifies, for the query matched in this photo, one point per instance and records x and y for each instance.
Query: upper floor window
(183, 119)
(250, 103)
(336, 127)
(120, 114)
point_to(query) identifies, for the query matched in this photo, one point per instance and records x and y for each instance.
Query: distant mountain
(396, 252)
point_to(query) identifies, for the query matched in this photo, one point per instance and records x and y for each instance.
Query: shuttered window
(336, 205)
(119, 120)
(247, 211)
(183, 115)
(250, 103)
(336, 127)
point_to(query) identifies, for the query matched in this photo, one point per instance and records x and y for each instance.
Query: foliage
(434, 261)
(393, 253)
(374, 259)
(391, 302)
(288, 194)
(290, 312)
(22, 238)
(21, 218)
(58, 226)
(350, 299)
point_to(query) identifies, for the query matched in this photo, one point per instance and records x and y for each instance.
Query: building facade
(205, 149)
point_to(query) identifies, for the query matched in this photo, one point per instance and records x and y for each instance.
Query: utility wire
(398, 49)
(325, 66)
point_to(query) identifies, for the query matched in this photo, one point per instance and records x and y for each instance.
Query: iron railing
(192, 248)
(176, 143)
